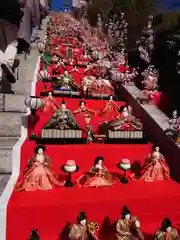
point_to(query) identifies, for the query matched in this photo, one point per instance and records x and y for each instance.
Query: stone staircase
(10, 131)
(12, 109)
(6, 146)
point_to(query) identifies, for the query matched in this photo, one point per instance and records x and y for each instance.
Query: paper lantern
(116, 76)
(96, 54)
(41, 46)
(33, 102)
(43, 75)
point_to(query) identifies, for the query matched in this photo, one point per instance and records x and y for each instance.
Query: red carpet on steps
(51, 211)
(73, 104)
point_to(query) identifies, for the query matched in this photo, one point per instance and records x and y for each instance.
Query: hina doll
(91, 70)
(92, 85)
(174, 124)
(57, 66)
(129, 121)
(83, 229)
(61, 119)
(89, 129)
(128, 227)
(85, 110)
(34, 235)
(39, 174)
(103, 85)
(66, 82)
(75, 69)
(125, 121)
(98, 176)
(155, 167)
(174, 121)
(150, 86)
(110, 109)
(167, 232)
(49, 104)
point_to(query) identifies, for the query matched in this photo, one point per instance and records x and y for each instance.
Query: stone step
(8, 142)
(5, 160)
(3, 181)
(26, 72)
(10, 124)
(12, 103)
(6, 147)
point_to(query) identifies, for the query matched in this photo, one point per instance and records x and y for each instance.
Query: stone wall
(155, 123)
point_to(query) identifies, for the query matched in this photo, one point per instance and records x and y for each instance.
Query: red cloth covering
(83, 59)
(78, 52)
(59, 70)
(41, 65)
(122, 68)
(162, 101)
(90, 72)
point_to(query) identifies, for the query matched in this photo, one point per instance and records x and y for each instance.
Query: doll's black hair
(154, 147)
(82, 101)
(122, 108)
(166, 223)
(97, 159)
(81, 216)
(34, 235)
(63, 101)
(125, 211)
(36, 149)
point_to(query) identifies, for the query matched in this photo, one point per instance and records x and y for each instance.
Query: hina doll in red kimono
(39, 174)
(85, 110)
(155, 168)
(49, 104)
(124, 112)
(89, 70)
(124, 121)
(98, 176)
(110, 109)
(122, 62)
(57, 66)
(167, 232)
(74, 70)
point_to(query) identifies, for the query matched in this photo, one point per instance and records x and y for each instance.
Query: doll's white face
(40, 151)
(55, 58)
(83, 222)
(127, 216)
(50, 94)
(100, 162)
(155, 154)
(63, 106)
(82, 104)
(157, 149)
(175, 114)
(66, 73)
(125, 110)
(169, 229)
(137, 224)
